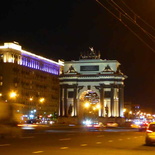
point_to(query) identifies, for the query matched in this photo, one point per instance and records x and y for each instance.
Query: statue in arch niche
(70, 110)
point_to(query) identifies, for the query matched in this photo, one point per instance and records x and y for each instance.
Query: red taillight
(96, 126)
(89, 125)
(149, 131)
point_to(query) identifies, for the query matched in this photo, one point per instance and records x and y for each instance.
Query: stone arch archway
(89, 105)
(91, 74)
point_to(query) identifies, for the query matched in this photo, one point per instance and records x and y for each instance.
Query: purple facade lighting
(30, 60)
(39, 64)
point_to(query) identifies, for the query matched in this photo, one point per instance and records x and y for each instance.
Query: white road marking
(83, 144)
(63, 148)
(100, 136)
(110, 141)
(70, 134)
(27, 137)
(38, 152)
(65, 139)
(98, 142)
(4, 144)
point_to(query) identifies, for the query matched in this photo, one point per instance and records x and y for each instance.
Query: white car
(150, 134)
(111, 124)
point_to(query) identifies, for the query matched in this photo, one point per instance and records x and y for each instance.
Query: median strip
(65, 139)
(63, 148)
(5, 145)
(83, 144)
(38, 152)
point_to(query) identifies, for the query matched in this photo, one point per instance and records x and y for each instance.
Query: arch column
(101, 90)
(102, 100)
(65, 100)
(61, 103)
(112, 101)
(121, 100)
(75, 100)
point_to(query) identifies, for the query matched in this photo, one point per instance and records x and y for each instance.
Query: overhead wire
(142, 40)
(125, 14)
(138, 15)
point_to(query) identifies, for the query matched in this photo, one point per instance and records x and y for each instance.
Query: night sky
(62, 29)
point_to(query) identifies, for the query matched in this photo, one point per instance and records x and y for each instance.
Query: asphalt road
(77, 141)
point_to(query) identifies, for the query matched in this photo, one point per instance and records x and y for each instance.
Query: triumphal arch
(91, 88)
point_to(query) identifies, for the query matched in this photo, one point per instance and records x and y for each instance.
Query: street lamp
(87, 105)
(42, 99)
(13, 94)
(39, 107)
(31, 98)
(98, 106)
(124, 110)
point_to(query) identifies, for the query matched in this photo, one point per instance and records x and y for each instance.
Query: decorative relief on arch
(72, 70)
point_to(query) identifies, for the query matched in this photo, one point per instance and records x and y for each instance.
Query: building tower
(33, 78)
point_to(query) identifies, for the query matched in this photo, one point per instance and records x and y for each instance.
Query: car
(94, 125)
(111, 124)
(150, 134)
(141, 126)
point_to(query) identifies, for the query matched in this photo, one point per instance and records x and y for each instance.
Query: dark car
(143, 126)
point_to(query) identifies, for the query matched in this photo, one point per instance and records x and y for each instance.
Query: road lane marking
(100, 136)
(27, 137)
(70, 134)
(4, 144)
(110, 141)
(38, 152)
(63, 148)
(65, 139)
(83, 144)
(98, 142)
(120, 139)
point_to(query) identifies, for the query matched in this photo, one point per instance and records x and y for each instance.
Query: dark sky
(62, 29)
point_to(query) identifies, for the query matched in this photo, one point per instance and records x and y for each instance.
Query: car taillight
(89, 125)
(96, 125)
(149, 131)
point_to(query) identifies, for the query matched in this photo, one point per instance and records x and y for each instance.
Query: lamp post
(12, 107)
(41, 101)
(13, 95)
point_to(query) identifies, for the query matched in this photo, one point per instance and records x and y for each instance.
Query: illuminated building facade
(32, 77)
(91, 84)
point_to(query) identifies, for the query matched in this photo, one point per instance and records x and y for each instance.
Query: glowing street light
(98, 106)
(41, 100)
(13, 95)
(86, 105)
(31, 99)
(124, 110)
(130, 112)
